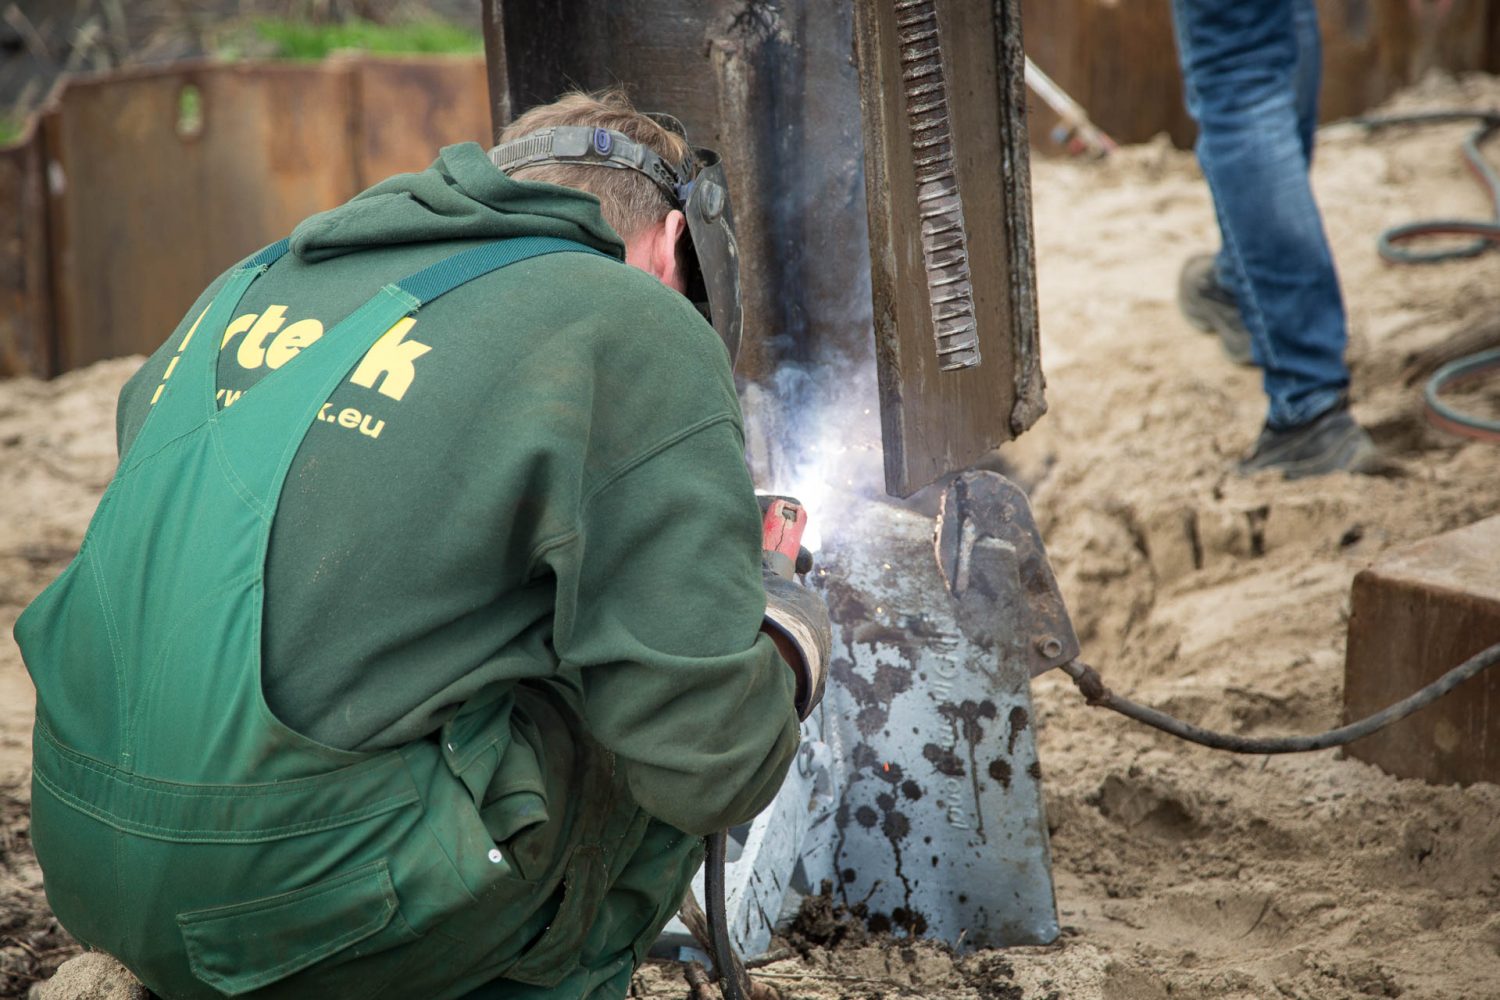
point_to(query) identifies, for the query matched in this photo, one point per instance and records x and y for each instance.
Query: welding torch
(783, 520)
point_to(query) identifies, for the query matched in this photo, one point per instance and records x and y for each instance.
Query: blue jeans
(1251, 70)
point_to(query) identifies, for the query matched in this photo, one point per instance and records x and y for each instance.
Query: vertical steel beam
(952, 267)
(769, 84)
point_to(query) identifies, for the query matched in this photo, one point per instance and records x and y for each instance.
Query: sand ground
(1180, 872)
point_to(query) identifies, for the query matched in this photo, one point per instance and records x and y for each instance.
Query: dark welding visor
(696, 187)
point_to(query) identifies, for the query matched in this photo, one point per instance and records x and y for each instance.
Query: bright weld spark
(828, 456)
(810, 486)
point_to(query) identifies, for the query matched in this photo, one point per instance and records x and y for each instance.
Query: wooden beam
(1415, 614)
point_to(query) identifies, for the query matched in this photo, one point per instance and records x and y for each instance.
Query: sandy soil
(1180, 873)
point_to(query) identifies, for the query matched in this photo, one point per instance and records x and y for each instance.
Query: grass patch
(10, 129)
(301, 40)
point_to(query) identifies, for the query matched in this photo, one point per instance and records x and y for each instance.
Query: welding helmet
(696, 187)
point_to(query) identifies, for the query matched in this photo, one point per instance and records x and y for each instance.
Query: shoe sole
(1355, 455)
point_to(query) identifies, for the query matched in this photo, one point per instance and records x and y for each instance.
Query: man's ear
(654, 250)
(665, 260)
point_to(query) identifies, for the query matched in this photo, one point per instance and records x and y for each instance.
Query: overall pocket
(352, 916)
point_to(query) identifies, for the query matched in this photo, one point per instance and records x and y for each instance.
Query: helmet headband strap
(583, 145)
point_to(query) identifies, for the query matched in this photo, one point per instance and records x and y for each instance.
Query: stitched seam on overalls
(403, 298)
(439, 840)
(88, 534)
(129, 461)
(163, 786)
(302, 895)
(123, 713)
(183, 620)
(256, 505)
(272, 789)
(160, 448)
(260, 505)
(268, 976)
(185, 836)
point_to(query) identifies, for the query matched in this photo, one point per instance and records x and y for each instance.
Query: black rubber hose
(726, 963)
(1092, 686)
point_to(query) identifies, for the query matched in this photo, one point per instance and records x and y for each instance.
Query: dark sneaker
(1210, 307)
(1331, 442)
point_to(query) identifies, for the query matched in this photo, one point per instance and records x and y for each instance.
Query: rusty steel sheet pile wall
(407, 108)
(73, 297)
(25, 298)
(149, 205)
(1118, 57)
(158, 179)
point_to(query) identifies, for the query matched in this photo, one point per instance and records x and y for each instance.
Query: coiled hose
(1486, 232)
(1392, 245)
(1448, 417)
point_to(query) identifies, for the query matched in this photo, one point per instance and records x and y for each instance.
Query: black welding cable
(726, 962)
(1092, 686)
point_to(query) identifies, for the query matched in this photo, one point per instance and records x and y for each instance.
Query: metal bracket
(978, 510)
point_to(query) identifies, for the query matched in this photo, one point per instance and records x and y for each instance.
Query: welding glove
(804, 564)
(801, 617)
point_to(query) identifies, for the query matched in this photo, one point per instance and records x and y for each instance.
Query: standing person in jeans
(1251, 70)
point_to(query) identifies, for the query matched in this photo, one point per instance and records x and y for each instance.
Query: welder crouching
(446, 711)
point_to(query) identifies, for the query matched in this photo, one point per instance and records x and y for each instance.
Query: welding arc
(1092, 686)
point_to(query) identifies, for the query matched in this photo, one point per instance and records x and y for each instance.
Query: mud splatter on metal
(1018, 723)
(1000, 771)
(934, 710)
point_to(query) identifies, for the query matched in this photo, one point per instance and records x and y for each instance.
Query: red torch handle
(781, 534)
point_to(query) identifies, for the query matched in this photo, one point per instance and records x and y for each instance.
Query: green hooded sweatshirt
(539, 476)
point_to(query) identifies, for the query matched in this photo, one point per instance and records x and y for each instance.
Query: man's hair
(630, 201)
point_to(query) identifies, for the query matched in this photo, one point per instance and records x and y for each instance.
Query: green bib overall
(184, 829)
